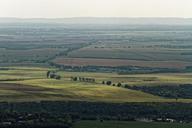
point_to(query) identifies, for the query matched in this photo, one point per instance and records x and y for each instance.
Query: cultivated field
(147, 52)
(120, 62)
(22, 84)
(65, 74)
(31, 84)
(111, 71)
(39, 44)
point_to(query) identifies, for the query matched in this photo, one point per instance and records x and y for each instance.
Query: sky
(95, 8)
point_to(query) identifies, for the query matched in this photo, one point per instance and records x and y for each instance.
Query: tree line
(92, 80)
(83, 79)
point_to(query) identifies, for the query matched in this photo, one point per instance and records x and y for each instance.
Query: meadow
(31, 84)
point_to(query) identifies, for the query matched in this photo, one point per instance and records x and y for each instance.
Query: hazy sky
(95, 8)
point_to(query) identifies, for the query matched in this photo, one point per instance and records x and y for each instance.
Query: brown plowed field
(120, 62)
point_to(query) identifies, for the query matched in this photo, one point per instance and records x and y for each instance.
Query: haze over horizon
(95, 8)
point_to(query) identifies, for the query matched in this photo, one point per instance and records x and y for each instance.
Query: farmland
(114, 74)
(26, 84)
(120, 62)
(131, 52)
(131, 45)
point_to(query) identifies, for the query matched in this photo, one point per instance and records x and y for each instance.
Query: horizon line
(95, 17)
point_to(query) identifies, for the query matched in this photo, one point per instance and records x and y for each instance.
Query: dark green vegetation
(180, 91)
(175, 112)
(123, 124)
(70, 113)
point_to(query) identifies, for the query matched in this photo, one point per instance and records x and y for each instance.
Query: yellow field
(31, 84)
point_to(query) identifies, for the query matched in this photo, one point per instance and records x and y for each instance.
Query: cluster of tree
(107, 82)
(83, 79)
(53, 75)
(177, 91)
(70, 111)
(119, 84)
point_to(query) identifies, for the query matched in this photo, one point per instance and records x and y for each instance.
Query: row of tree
(113, 84)
(92, 80)
(83, 79)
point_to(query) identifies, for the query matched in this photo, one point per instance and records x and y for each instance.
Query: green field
(123, 124)
(31, 84)
(40, 44)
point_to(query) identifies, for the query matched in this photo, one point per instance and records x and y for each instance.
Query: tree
(119, 85)
(93, 80)
(48, 73)
(108, 82)
(74, 78)
(57, 77)
(51, 75)
(126, 86)
(87, 79)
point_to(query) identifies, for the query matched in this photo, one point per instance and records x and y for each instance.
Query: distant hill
(94, 20)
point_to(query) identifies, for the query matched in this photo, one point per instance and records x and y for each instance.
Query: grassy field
(122, 124)
(31, 84)
(61, 89)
